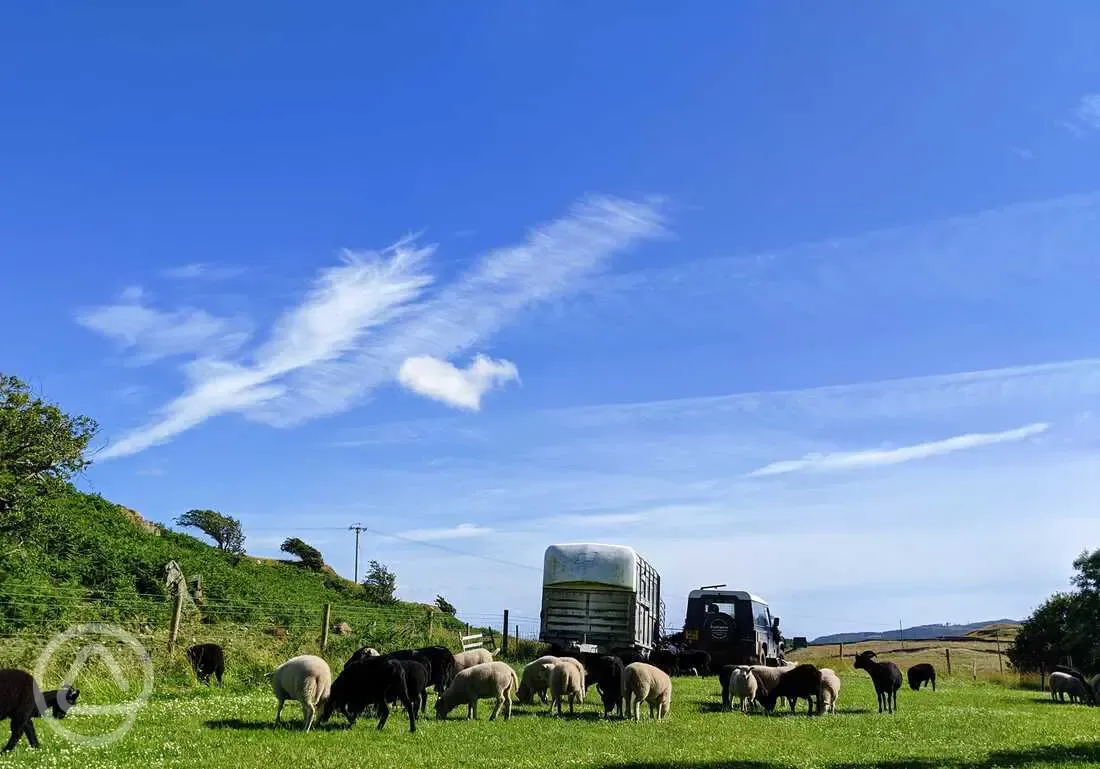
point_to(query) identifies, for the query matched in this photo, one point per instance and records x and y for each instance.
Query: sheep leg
(473, 707)
(507, 707)
(496, 708)
(279, 711)
(17, 727)
(307, 715)
(383, 713)
(571, 698)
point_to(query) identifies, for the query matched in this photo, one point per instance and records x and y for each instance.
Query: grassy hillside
(86, 558)
(916, 633)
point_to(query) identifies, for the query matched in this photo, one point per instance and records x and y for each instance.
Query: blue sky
(793, 296)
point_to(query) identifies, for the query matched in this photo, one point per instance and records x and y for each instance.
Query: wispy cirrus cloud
(855, 460)
(201, 271)
(461, 531)
(458, 387)
(364, 317)
(1086, 114)
(149, 334)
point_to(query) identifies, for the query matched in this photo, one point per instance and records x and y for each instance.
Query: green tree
(310, 556)
(380, 584)
(1066, 626)
(41, 448)
(225, 530)
(445, 606)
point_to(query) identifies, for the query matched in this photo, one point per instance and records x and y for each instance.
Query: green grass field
(965, 725)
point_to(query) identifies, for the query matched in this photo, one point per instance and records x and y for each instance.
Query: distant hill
(917, 633)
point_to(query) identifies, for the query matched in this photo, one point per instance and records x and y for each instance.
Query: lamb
(804, 682)
(830, 691)
(22, 701)
(607, 673)
(566, 680)
(767, 677)
(642, 681)
(738, 681)
(694, 660)
(886, 677)
(207, 660)
(666, 660)
(486, 680)
(471, 657)
(921, 674)
(417, 679)
(1075, 673)
(1062, 684)
(535, 679)
(375, 681)
(306, 679)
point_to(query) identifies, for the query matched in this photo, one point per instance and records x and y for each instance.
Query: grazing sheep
(628, 656)
(1062, 684)
(441, 663)
(566, 680)
(738, 681)
(362, 653)
(607, 674)
(535, 679)
(767, 677)
(486, 680)
(207, 660)
(471, 657)
(666, 660)
(306, 679)
(642, 681)
(921, 674)
(1075, 673)
(802, 683)
(20, 698)
(887, 679)
(693, 660)
(417, 679)
(376, 681)
(830, 691)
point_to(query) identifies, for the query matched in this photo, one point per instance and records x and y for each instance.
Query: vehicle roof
(740, 595)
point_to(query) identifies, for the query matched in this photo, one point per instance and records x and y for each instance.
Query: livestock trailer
(599, 598)
(735, 627)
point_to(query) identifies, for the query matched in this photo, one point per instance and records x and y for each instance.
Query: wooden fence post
(1000, 660)
(1042, 677)
(504, 637)
(326, 622)
(177, 613)
(431, 625)
(948, 653)
(842, 651)
(974, 668)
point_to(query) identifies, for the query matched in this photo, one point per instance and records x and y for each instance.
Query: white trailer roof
(611, 565)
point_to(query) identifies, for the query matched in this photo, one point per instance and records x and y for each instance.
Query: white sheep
(743, 684)
(495, 680)
(535, 679)
(566, 680)
(471, 657)
(305, 679)
(1062, 684)
(642, 681)
(830, 691)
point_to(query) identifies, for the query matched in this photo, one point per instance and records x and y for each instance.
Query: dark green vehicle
(734, 627)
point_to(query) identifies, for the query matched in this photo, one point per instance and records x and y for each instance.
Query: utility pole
(356, 527)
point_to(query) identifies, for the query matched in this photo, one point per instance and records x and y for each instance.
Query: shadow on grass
(1050, 755)
(290, 725)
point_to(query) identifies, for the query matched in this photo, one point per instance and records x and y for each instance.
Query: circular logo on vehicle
(719, 629)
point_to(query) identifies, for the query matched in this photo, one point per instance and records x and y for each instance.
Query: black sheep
(921, 674)
(22, 701)
(886, 677)
(441, 664)
(417, 680)
(373, 681)
(207, 660)
(606, 673)
(665, 659)
(629, 656)
(693, 659)
(800, 683)
(725, 674)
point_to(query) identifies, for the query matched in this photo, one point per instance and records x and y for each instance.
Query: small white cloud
(852, 460)
(1023, 153)
(153, 472)
(200, 271)
(462, 388)
(461, 531)
(152, 334)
